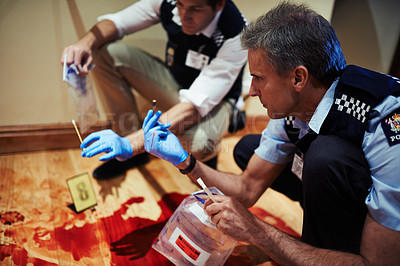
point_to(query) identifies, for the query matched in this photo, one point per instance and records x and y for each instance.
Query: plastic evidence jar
(191, 238)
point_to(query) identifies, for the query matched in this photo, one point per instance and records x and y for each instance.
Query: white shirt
(215, 80)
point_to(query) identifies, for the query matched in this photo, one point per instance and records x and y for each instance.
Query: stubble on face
(272, 89)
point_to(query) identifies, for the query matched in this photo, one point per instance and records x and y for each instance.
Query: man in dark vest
(197, 86)
(333, 144)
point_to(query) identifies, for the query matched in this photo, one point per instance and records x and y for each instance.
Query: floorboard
(39, 227)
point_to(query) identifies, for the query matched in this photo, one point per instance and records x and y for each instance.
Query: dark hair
(294, 35)
(213, 3)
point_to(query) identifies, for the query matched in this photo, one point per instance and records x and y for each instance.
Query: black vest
(230, 24)
(358, 91)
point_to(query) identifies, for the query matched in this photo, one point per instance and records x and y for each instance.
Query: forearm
(137, 141)
(181, 117)
(102, 32)
(229, 184)
(246, 187)
(288, 250)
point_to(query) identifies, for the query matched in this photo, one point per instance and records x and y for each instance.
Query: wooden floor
(38, 227)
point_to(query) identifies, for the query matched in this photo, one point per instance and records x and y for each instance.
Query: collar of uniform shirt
(209, 30)
(323, 108)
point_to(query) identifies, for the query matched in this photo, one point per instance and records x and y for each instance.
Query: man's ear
(300, 77)
(220, 5)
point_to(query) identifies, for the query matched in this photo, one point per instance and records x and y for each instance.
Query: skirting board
(29, 138)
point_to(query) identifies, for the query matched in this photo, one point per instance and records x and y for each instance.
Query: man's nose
(253, 92)
(186, 15)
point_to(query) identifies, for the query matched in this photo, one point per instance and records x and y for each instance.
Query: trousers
(335, 183)
(121, 69)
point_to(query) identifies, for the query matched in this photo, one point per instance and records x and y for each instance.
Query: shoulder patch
(391, 127)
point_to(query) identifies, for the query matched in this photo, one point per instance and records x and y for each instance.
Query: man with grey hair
(333, 144)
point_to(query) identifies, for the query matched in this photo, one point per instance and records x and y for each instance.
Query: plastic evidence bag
(191, 238)
(81, 90)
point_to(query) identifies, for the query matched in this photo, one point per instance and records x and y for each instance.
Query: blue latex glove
(161, 142)
(109, 142)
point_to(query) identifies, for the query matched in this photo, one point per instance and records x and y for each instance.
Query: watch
(192, 164)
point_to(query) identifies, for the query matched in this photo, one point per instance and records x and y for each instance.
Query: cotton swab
(154, 105)
(76, 129)
(65, 68)
(205, 188)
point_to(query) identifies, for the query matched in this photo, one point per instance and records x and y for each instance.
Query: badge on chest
(196, 60)
(297, 165)
(391, 127)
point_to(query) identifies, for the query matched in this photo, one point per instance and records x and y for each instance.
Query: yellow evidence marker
(82, 192)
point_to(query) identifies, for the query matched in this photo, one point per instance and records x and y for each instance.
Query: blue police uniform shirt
(381, 149)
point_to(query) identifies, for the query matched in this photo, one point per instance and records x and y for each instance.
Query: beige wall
(368, 31)
(34, 33)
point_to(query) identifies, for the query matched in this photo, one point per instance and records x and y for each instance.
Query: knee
(200, 144)
(204, 149)
(118, 52)
(244, 149)
(113, 53)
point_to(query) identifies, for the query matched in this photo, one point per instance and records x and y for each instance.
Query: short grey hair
(294, 35)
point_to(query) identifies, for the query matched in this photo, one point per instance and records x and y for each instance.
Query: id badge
(196, 60)
(297, 165)
(170, 54)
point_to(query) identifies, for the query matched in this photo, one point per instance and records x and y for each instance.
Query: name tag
(297, 165)
(196, 60)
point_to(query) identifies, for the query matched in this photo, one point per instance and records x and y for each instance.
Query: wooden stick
(154, 105)
(205, 188)
(77, 131)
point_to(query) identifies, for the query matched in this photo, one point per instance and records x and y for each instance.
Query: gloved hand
(109, 142)
(159, 141)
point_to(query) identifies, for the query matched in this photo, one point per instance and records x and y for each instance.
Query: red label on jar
(187, 248)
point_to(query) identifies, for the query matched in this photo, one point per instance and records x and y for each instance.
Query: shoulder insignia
(218, 37)
(391, 127)
(353, 107)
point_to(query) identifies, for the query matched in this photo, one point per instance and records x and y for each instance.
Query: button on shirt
(383, 201)
(215, 79)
